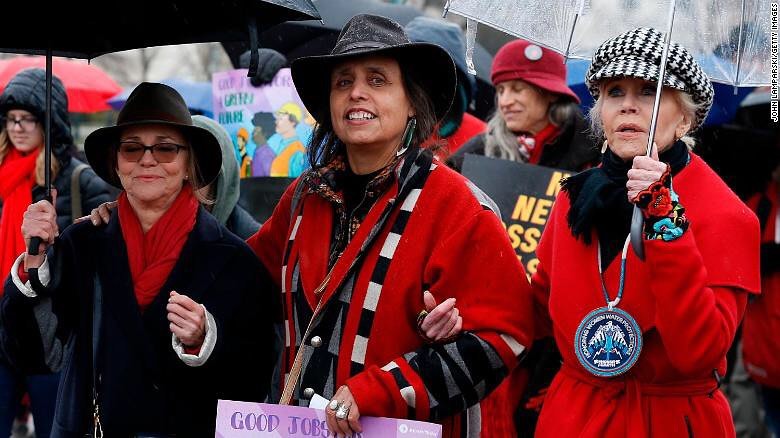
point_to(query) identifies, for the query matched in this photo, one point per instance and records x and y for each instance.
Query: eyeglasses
(162, 152)
(27, 123)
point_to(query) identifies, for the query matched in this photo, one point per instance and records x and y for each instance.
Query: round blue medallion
(608, 342)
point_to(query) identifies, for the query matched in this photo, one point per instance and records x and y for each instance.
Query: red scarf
(153, 255)
(17, 178)
(538, 142)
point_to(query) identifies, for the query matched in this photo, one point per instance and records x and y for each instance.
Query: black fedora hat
(152, 103)
(366, 34)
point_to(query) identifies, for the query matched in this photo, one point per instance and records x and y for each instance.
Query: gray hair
(687, 105)
(501, 143)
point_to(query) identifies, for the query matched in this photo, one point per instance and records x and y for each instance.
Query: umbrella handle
(32, 249)
(637, 223)
(35, 280)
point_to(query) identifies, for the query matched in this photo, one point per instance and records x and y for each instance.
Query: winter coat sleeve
(477, 265)
(34, 331)
(690, 313)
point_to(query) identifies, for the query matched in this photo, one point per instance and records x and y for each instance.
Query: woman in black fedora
(159, 313)
(378, 231)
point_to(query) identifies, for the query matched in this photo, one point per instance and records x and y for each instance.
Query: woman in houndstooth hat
(644, 342)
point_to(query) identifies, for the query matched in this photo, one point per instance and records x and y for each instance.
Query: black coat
(571, 150)
(144, 387)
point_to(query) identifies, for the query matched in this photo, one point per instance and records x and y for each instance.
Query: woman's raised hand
(442, 322)
(645, 171)
(40, 220)
(187, 320)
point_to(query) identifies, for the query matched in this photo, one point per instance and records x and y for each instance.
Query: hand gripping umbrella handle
(32, 249)
(637, 220)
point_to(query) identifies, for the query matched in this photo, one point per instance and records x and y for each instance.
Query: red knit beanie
(524, 60)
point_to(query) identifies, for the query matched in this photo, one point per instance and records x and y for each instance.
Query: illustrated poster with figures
(269, 125)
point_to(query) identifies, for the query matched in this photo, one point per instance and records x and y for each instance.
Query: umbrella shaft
(47, 146)
(661, 75)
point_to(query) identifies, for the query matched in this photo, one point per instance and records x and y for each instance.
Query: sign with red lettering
(525, 194)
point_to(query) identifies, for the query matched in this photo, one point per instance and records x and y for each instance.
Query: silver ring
(342, 412)
(335, 404)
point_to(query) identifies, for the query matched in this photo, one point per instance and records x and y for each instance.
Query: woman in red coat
(644, 342)
(356, 241)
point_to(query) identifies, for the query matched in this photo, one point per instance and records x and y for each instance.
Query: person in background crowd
(289, 144)
(264, 127)
(537, 119)
(458, 125)
(225, 190)
(244, 158)
(760, 346)
(22, 112)
(183, 310)
(356, 241)
(644, 342)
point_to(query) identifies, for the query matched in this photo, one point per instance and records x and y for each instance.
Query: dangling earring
(408, 136)
(604, 147)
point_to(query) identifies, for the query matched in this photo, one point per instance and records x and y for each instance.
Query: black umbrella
(90, 28)
(317, 37)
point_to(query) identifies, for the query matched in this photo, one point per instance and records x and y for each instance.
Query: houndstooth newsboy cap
(637, 53)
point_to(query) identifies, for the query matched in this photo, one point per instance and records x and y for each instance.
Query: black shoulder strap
(75, 191)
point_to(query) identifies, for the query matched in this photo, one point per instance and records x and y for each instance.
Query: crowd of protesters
(384, 280)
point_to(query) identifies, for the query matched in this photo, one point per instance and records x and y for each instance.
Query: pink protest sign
(269, 125)
(246, 419)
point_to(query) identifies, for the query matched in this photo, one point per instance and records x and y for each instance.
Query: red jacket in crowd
(760, 343)
(687, 297)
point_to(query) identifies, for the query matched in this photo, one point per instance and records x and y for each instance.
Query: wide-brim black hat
(364, 34)
(152, 103)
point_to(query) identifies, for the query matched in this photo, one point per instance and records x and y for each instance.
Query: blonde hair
(40, 162)
(688, 107)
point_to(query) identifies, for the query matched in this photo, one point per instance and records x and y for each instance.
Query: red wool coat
(760, 343)
(452, 246)
(687, 297)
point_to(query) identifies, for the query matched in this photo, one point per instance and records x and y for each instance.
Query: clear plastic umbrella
(729, 39)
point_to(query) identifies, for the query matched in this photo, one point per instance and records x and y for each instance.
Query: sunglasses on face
(162, 152)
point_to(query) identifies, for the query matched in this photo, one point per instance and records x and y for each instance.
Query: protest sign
(247, 419)
(524, 193)
(269, 125)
